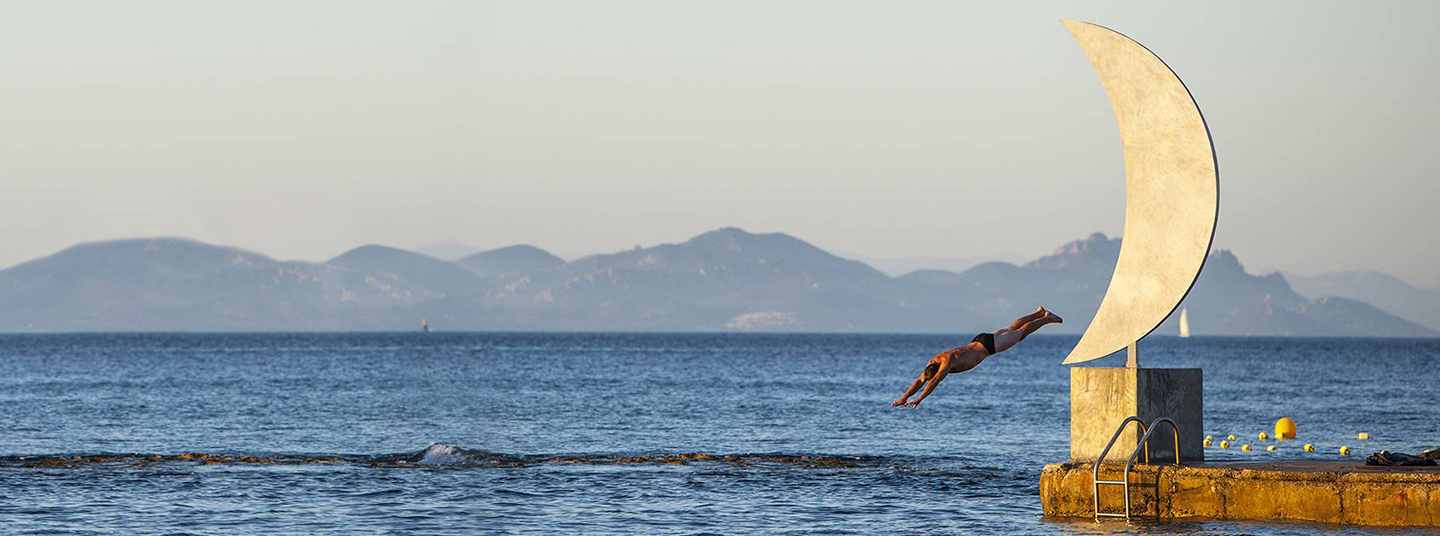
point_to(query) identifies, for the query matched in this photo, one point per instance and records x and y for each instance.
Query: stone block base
(1100, 398)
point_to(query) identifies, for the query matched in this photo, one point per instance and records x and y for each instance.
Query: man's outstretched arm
(914, 386)
(939, 375)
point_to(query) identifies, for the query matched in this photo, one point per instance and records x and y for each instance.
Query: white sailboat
(1184, 323)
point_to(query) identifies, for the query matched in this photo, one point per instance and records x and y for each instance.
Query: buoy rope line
(1285, 429)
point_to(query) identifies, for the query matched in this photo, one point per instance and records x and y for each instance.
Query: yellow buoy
(1309, 447)
(1263, 436)
(1207, 442)
(1285, 428)
(1344, 451)
(1224, 444)
(1245, 447)
(1209, 437)
(1231, 437)
(1271, 447)
(1362, 435)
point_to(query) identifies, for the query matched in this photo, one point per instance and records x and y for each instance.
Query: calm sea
(477, 433)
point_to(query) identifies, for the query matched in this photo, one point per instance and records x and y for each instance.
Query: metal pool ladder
(1125, 479)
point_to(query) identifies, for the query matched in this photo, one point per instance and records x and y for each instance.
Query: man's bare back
(963, 358)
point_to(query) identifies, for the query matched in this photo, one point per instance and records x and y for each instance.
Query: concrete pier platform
(1342, 492)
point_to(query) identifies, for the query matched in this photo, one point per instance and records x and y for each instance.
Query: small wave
(442, 455)
(437, 454)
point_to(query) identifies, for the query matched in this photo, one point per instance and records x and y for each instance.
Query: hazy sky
(889, 129)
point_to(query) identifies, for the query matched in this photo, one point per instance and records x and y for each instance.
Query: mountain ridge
(1387, 292)
(516, 258)
(722, 280)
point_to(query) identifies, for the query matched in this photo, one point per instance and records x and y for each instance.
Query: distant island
(722, 280)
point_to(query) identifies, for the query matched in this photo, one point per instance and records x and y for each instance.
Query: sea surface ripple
(576, 433)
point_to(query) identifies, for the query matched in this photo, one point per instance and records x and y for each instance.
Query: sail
(1184, 323)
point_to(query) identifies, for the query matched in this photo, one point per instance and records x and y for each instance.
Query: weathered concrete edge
(1241, 494)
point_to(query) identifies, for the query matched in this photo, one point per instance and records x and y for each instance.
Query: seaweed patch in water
(438, 455)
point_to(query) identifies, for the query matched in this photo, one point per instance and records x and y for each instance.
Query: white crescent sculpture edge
(1172, 191)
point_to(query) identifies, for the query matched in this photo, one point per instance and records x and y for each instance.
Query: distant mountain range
(723, 280)
(447, 250)
(1421, 305)
(894, 266)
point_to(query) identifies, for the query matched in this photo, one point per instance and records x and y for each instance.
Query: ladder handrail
(1145, 440)
(1143, 445)
(1095, 470)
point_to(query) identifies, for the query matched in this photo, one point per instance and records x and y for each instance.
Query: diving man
(966, 357)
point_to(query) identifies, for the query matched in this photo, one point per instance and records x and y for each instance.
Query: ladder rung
(1104, 514)
(1120, 482)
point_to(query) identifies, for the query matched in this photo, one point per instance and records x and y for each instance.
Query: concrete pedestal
(1102, 397)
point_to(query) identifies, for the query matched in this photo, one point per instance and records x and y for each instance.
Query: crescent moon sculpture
(1172, 191)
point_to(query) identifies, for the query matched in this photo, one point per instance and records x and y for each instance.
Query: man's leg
(1006, 338)
(1035, 325)
(1019, 322)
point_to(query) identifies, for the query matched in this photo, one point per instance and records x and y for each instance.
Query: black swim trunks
(987, 340)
